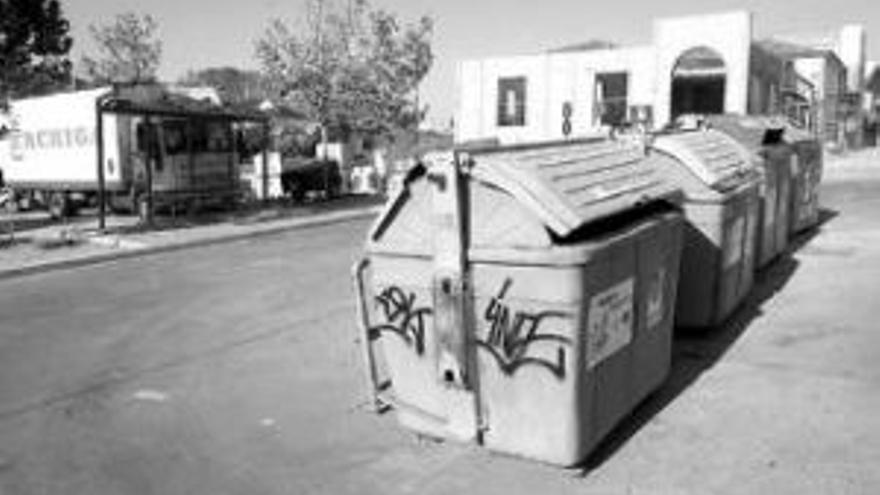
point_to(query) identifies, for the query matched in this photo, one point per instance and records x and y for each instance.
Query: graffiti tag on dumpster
(511, 335)
(403, 317)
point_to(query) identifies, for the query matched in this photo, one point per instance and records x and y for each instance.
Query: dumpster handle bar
(374, 388)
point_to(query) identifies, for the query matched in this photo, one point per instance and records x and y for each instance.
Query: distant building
(871, 102)
(701, 64)
(200, 93)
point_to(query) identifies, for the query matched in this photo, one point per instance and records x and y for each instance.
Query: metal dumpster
(806, 178)
(721, 208)
(762, 137)
(522, 298)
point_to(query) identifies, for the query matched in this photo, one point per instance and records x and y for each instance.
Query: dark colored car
(301, 175)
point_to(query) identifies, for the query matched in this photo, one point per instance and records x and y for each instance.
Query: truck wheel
(59, 205)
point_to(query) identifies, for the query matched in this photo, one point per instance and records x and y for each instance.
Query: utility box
(720, 188)
(806, 178)
(775, 161)
(523, 298)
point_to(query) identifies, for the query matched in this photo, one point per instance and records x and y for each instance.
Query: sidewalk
(34, 244)
(864, 163)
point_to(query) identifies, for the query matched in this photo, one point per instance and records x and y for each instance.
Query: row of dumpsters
(525, 297)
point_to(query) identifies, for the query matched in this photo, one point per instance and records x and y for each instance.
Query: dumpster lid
(570, 184)
(795, 134)
(563, 185)
(715, 158)
(752, 131)
(753, 128)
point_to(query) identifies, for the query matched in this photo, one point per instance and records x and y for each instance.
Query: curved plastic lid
(715, 158)
(569, 185)
(751, 130)
(794, 134)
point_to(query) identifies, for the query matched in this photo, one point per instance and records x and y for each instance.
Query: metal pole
(153, 153)
(265, 165)
(234, 163)
(99, 139)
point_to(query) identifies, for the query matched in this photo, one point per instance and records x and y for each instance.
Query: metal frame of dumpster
(762, 137)
(721, 207)
(522, 298)
(806, 178)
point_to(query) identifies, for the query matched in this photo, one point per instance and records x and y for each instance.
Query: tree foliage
(128, 50)
(34, 44)
(350, 69)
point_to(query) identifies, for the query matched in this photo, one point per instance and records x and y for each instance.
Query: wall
(768, 76)
(851, 50)
(828, 76)
(729, 34)
(552, 80)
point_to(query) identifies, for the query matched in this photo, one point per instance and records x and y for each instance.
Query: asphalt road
(233, 369)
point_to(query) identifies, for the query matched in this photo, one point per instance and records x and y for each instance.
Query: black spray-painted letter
(510, 335)
(402, 317)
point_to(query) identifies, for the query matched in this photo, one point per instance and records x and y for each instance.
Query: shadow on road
(693, 353)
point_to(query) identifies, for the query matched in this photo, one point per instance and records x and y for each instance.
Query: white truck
(49, 156)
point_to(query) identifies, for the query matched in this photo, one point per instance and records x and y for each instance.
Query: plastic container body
(566, 345)
(775, 203)
(563, 317)
(806, 178)
(721, 206)
(718, 258)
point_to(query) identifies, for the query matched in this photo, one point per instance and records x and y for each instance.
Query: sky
(210, 33)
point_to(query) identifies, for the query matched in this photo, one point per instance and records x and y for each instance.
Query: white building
(701, 64)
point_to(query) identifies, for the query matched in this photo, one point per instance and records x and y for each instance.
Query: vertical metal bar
(99, 140)
(453, 321)
(191, 192)
(265, 167)
(154, 154)
(233, 162)
(371, 375)
(448, 272)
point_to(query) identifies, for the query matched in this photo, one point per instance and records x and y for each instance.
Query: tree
(128, 51)
(235, 86)
(351, 70)
(34, 44)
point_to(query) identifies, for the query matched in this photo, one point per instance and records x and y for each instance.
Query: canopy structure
(152, 101)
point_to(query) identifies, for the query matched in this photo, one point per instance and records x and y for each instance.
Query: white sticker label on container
(734, 246)
(656, 288)
(609, 325)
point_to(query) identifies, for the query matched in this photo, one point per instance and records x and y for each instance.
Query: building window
(611, 95)
(511, 101)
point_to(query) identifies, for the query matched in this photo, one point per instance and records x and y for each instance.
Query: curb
(100, 258)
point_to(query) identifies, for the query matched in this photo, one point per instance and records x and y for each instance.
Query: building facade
(703, 64)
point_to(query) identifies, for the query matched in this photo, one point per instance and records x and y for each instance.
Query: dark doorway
(699, 80)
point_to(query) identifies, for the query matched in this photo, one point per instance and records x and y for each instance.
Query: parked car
(303, 175)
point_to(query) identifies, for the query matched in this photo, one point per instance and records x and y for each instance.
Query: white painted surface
(556, 78)
(53, 140)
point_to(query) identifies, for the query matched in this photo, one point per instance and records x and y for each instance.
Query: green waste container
(522, 297)
(774, 160)
(720, 188)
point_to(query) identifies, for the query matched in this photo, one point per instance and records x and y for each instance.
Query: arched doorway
(699, 77)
